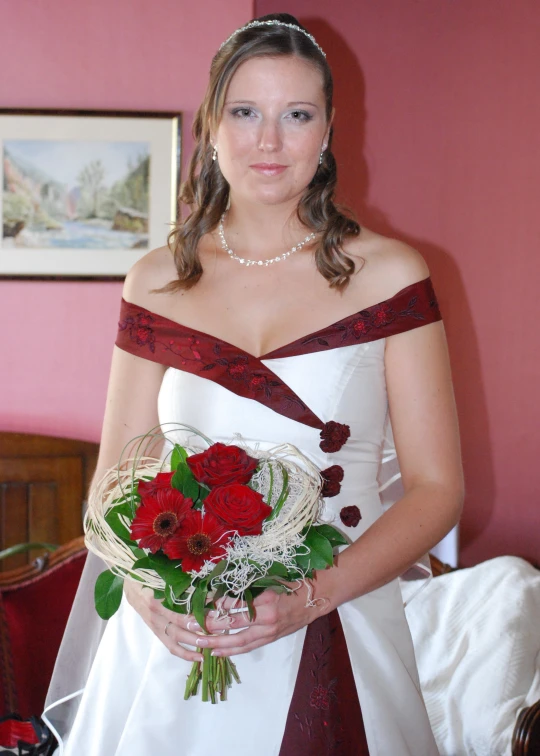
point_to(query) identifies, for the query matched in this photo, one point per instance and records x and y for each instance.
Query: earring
(214, 154)
(321, 157)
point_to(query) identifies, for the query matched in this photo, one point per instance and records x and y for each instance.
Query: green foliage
(108, 594)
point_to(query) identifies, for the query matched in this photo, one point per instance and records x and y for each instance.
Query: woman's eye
(301, 115)
(242, 112)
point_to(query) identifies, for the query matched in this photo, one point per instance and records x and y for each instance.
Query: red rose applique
(334, 436)
(238, 507)
(350, 516)
(221, 464)
(332, 478)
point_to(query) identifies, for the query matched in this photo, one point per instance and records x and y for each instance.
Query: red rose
(221, 464)
(238, 507)
(332, 478)
(334, 435)
(350, 516)
(151, 487)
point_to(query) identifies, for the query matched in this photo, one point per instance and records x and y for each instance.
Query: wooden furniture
(43, 483)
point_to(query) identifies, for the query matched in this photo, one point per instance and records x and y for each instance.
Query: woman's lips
(269, 169)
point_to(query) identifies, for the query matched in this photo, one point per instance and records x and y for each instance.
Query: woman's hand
(276, 615)
(171, 628)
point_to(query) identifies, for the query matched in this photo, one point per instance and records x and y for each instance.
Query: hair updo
(206, 191)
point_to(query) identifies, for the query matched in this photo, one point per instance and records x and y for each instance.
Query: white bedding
(476, 633)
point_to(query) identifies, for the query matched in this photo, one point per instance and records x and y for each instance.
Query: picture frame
(85, 193)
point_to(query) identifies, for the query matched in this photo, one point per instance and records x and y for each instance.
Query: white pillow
(476, 634)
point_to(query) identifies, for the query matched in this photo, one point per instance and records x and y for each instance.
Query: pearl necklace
(266, 263)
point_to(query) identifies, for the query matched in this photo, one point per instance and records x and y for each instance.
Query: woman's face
(274, 115)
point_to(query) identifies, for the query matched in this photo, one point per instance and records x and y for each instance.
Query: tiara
(274, 22)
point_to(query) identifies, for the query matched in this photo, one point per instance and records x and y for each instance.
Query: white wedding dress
(133, 700)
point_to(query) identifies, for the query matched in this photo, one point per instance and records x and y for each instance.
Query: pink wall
(127, 54)
(437, 141)
(438, 123)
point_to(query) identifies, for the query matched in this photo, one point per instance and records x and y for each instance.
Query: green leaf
(303, 561)
(276, 568)
(334, 536)
(143, 564)
(191, 489)
(116, 525)
(159, 595)
(108, 594)
(181, 476)
(198, 602)
(170, 571)
(269, 582)
(321, 552)
(248, 598)
(178, 456)
(218, 570)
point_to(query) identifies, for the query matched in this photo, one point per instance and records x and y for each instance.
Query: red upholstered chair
(35, 602)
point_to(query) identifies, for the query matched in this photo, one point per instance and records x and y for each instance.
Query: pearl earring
(214, 154)
(321, 156)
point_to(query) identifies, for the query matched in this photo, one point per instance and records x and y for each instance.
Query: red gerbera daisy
(158, 518)
(198, 540)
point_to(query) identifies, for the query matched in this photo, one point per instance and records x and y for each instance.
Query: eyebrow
(251, 102)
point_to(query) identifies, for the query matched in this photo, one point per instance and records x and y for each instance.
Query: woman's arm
(131, 411)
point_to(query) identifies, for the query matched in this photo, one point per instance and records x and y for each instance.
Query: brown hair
(206, 191)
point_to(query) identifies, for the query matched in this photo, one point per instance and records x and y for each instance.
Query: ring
(167, 627)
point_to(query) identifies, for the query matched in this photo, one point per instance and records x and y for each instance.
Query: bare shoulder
(384, 265)
(152, 271)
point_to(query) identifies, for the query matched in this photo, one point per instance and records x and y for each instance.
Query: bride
(273, 314)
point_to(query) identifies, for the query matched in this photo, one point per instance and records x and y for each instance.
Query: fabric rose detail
(200, 539)
(332, 478)
(334, 435)
(221, 464)
(238, 507)
(320, 697)
(158, 518)
(382, 315)
(151, 487)
(238, 368)
(360, 327)
(350, 516)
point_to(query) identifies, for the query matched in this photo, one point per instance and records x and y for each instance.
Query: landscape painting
(76, 194)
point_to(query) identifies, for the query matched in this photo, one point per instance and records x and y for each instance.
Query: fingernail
(215, 653)
(193, 625)
(199, 657)
(213, 613)
(201, 642)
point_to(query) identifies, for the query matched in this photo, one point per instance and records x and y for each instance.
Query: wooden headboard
(43, 484)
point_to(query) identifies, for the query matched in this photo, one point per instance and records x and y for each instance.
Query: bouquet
(201, 524)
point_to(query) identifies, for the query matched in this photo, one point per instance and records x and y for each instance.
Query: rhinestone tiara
(274, 22)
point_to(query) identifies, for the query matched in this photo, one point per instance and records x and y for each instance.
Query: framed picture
(85, 193)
